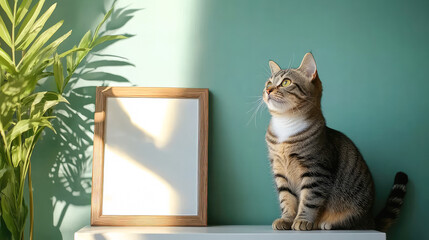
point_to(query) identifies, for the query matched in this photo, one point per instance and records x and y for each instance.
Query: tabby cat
(322, 180)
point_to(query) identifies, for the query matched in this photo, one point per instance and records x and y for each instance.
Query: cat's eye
(286, 83)
(269, 84)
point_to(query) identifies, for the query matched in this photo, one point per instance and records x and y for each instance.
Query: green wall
(372, 60)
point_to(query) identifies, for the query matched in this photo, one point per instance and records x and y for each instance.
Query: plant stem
(13, 32)
(30, 188)
(8, 158)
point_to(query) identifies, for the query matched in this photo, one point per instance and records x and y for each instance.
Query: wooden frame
(102, 94)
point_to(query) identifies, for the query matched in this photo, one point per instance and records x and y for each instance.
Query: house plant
(27, 56)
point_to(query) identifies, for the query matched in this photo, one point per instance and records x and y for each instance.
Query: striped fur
(322, 179)
(394, 202)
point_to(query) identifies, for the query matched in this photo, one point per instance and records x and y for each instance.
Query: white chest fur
(285, 127)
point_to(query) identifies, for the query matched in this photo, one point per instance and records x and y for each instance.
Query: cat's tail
(390, 212)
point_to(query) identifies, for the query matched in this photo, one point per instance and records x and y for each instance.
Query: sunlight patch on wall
(163, 47)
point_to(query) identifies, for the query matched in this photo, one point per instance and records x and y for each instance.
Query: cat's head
(293, 91)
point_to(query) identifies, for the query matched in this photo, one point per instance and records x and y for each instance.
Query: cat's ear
(274, 67)
(308, 66)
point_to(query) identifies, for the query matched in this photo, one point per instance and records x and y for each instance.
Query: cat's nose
(269, 90)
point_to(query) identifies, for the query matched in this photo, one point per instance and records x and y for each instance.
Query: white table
(230, 232)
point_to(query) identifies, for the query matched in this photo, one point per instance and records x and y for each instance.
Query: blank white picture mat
(151, 157)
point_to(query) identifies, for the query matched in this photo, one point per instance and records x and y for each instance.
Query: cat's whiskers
(254, 102)
(256, 109)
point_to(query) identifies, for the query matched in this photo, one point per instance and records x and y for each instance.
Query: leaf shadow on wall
(63, 165)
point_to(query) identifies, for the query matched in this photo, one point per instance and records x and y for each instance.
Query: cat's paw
(302, 225)
(281, 224)
(325, 226)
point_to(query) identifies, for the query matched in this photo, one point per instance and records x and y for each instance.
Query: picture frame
(150, 157)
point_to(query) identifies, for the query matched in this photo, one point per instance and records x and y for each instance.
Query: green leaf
(27, 145)
(69, 59)
(28, 22)
(58, 73)
(84, 42)
(43, 38)
(22, 10)
(4, 177)
(10, 95)
(6, 8)
(8, 213)
(74, 49)
(4, 33)
(101, 23)
(103, 39)
(51, 48)
(40, 41)
(43, 59)
(36, 28)
(2, 77)
(27, 124)
(7, 62)
(38, 103)
(16, 154)
(45, 75)
(14, 211)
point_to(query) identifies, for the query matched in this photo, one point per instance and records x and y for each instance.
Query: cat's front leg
(288, 203)
(312, 199)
